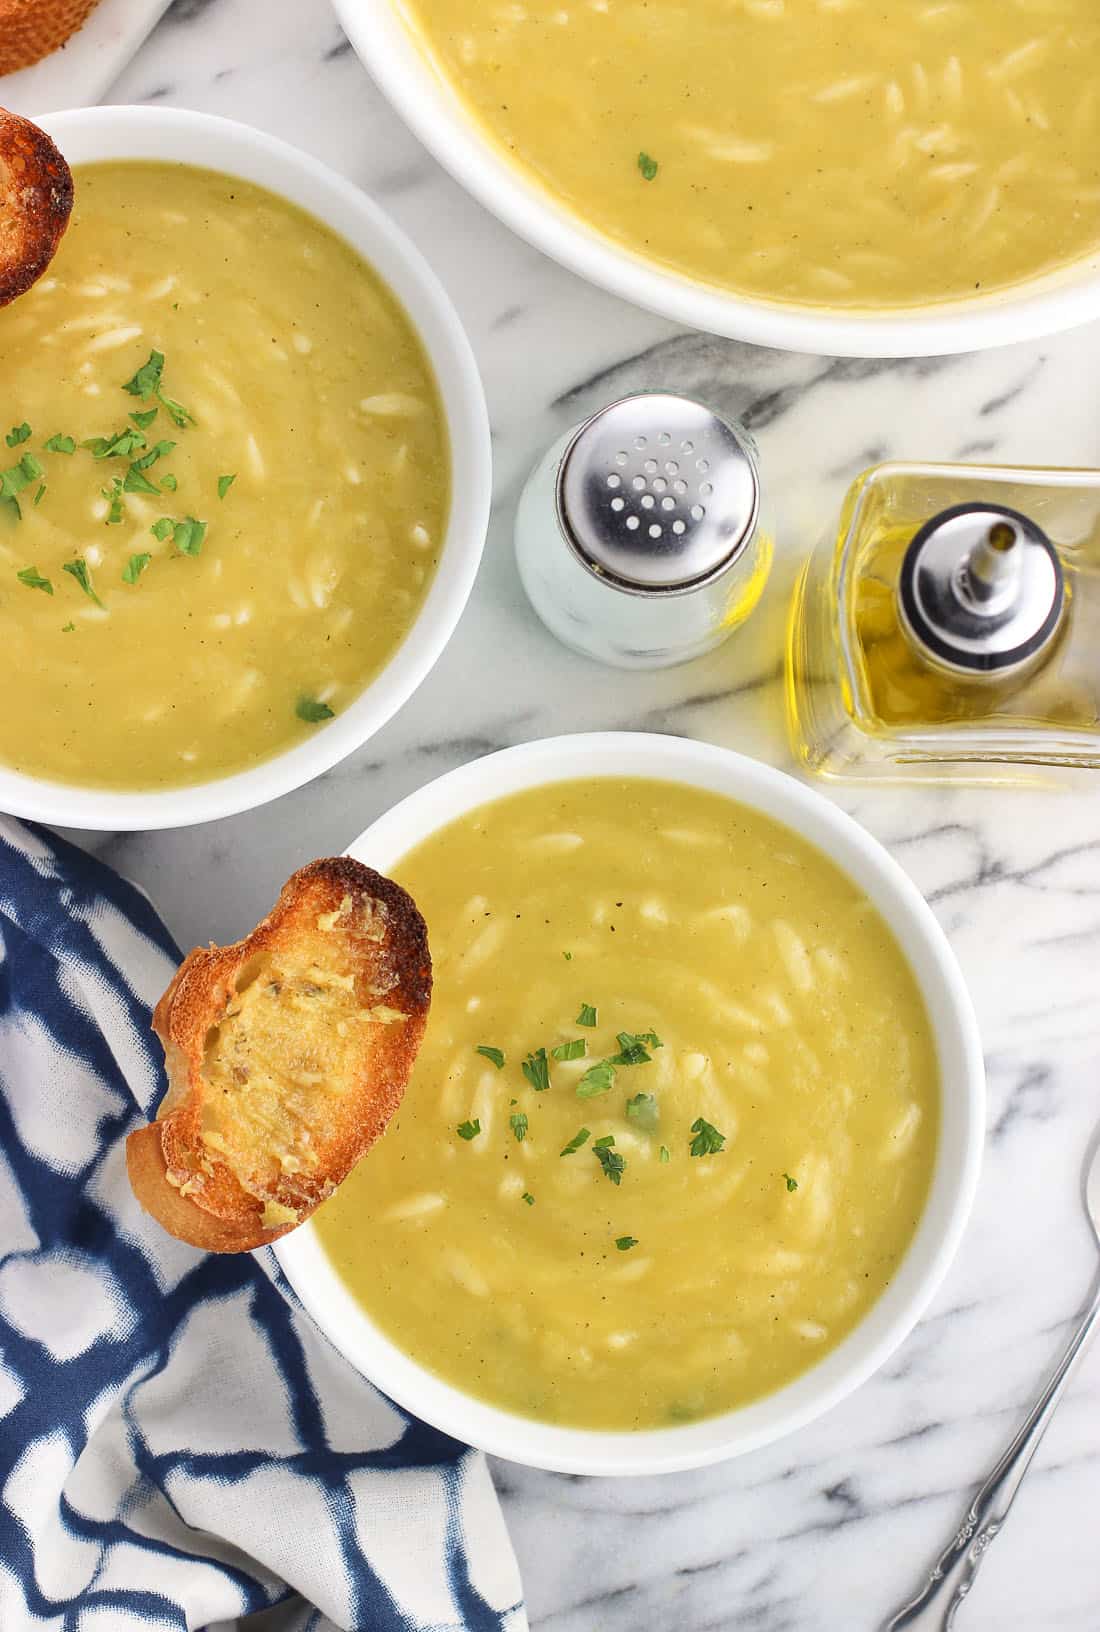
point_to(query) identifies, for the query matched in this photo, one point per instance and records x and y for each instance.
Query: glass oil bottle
(950, 628)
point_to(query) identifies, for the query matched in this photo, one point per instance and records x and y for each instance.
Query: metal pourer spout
(988, 580)
(981, 590)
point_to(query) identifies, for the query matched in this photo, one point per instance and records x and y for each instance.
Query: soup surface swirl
(713, 1170)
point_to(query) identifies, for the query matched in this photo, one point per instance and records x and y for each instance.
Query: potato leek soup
(673, 1122)
(839, 152)
(225, 484)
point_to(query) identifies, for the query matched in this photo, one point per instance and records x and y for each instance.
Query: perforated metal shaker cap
(657, 494)
(982, 589)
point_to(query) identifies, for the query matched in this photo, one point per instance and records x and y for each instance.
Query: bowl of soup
(245, 485)
(831, 176)
(695, 1127)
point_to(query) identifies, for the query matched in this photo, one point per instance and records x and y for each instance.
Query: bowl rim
(955, 1175)
(432, 109)
(206, 141)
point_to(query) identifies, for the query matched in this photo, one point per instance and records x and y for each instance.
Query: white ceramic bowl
(575, 1450)
(433, 109)
(171, 134)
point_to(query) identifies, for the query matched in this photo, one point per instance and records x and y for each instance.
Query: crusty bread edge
(179, 1024)
(173, 1211)
(31, 35)
(46, 207)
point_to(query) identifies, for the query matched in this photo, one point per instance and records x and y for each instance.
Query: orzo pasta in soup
(224, 486)
(673, 1123)
(846, 152)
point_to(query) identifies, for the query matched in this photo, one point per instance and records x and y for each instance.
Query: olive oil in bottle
(950, 629)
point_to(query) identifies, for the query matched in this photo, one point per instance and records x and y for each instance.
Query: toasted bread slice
(36, 200)
(31, 29)
(287, 1054)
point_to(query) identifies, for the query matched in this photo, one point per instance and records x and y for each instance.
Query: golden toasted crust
(31, 29)
(36, 200)
(287, 1054)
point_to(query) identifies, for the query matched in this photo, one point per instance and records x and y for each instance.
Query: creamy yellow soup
(713, 1170)
(849, 152)
(247, 539)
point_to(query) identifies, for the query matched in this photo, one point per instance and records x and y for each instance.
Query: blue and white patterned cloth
(179, 1447)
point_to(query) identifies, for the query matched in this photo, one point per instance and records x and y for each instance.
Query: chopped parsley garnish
(146, 382)
(518, 1124)
(34, 579)
(135, 481)
(224, 484)
(60, 444)
(587, 1016)
(114, 509)
(16, 478)
(598, 1079)
(119, 446)
(68, 628)
(575, 1049)
(310, 710)
(642, 1111)
(634, 1047)
(536, 1068)
(601, 1144)
(17, 434)
(647, 166)
(632, 1050)
(708, 1141)
(792, 1184)
(78, 569)
(663, 1155)
(469, 1130)
(568, 956)
(142, 420)
(180, 416)
(168, 482)
(134, 568)
(159, 450)
(636, 1054)
(581, 1137)
(40, 495)
(612, 1163)
(528, 1198)
(625, 1242)
(188, 535)
(490, 1053)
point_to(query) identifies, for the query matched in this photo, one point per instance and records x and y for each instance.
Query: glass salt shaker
(639, 537)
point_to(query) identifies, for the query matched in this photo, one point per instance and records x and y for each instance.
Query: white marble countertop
(831, 1528)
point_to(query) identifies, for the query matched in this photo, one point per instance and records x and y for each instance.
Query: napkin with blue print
(179, 1447)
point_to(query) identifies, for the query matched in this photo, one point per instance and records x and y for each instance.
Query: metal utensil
(936, 1605)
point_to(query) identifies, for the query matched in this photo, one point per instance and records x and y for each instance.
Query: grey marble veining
(829, 1530)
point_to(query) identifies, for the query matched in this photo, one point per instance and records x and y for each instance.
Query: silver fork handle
(936, 1605)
